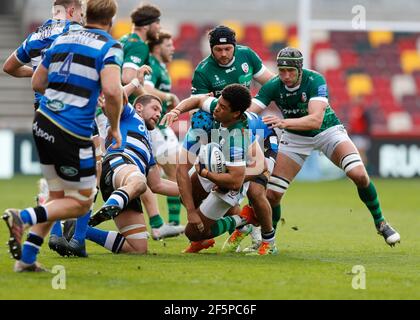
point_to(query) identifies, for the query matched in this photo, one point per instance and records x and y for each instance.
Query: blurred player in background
(310, 123)
(146, 27)
(164, 141)
(70, 77)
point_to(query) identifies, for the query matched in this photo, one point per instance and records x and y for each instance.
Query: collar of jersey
(292, 89)
(226, 65)
(236, 125)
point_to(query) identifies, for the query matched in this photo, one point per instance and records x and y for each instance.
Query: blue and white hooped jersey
(264, 133)
(35, 45)
(136, 140)
(74, 62)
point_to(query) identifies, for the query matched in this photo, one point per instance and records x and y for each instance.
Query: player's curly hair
(238, 96)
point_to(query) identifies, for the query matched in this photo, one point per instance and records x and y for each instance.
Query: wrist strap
(135, 82)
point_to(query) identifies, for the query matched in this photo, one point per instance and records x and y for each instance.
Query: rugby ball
(211, 157)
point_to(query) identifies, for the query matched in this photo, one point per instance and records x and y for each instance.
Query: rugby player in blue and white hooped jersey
(258, 183)
(79, 64)
(66, 14)
(125, 173)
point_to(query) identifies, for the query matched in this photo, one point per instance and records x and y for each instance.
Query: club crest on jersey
(304, 97)
(245, 67)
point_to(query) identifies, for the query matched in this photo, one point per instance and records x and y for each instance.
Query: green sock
(276, 215)
(156, 221)
(174, 208)
(370, 198)
(222, 225)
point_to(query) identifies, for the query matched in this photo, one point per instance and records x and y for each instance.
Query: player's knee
(359, 177)
(84, 199)
(137, 247)
(137, 182)
(274, 197)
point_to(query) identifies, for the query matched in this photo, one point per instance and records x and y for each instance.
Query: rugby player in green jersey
(164, 141)
(228, 63)
(146, 27)
(310, 124)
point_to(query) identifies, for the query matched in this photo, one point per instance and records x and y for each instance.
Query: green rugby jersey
(294, 102)
(136, 54)
(239, 135)
(160, 80)
(209, 76)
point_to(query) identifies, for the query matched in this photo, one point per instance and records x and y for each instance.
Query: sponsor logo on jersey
(69, 171)
(245, 67)
(55, 105)
(322, 90)
(135, 59)
(230, 70)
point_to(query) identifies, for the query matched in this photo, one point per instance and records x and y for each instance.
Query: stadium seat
(274, 32)
(359, 84)
(293, 42)
(410, 61)
(321, 36)
(407, 44)
(399, 122)
(326, 59)
(349, 58)
(122, 27)
(376, 38)
(188, 31)
(180, 69)
(401, 85)
(253, 37)
(237, 27)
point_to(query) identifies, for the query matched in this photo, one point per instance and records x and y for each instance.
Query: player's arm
(159, 185)
(184, 181)
(256, 161)
(15, 68)
(137, 83)
(171, 99)
(263, 76)
(129, 74)
(40, 79)
(113, 94)
(233, 179)
(255, 107)
(263, 98)
(193, 102)
(312, 121)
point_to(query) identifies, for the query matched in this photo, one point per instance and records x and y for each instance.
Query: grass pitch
(327, 232)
